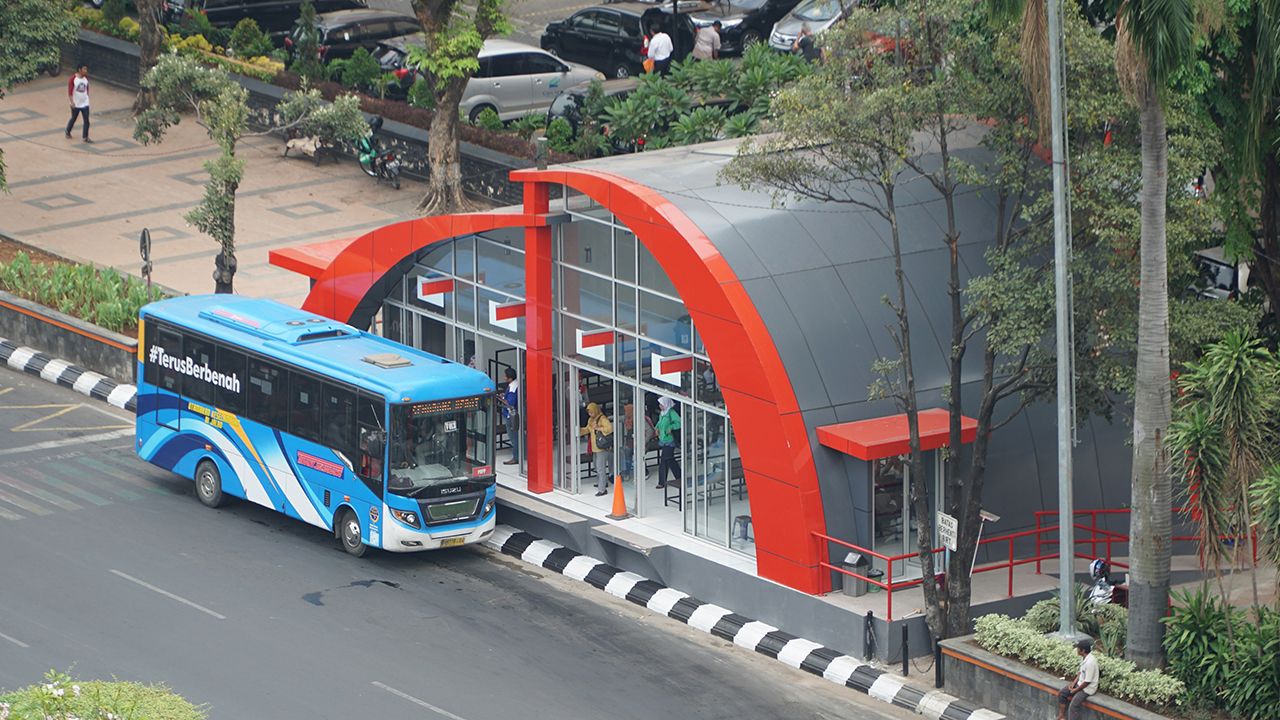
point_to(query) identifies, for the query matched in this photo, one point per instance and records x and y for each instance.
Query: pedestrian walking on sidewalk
(1072, 697)
(78, 94)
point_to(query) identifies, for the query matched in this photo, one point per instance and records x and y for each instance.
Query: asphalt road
(528, 17)
(110, 567)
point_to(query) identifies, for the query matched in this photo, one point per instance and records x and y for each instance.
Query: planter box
(486, 173)
(1017, 690)
(67, 338)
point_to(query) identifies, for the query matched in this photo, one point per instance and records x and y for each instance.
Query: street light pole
(1062, 283)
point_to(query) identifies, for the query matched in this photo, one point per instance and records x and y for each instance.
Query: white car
(817, 14)
(514, 79)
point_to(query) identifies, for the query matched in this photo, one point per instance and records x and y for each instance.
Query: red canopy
(888, 436)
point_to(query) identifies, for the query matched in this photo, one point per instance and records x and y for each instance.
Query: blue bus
(384, 445)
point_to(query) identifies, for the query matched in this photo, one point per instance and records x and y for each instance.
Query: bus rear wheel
(349, 534)
(208, 484)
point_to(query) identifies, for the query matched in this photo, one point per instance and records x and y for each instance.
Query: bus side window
(339, 415)
(372, 441)
(304, 406)
(229, 395)
(170, 344)
(196, 386)
(268, 394)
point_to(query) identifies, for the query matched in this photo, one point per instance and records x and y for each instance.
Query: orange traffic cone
(619, 501)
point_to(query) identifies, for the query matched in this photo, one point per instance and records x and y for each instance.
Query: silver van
(514, 79)
(818, 14)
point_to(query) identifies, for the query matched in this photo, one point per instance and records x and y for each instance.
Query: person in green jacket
(668, 426)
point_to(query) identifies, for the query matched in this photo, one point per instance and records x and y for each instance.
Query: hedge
(61, 697)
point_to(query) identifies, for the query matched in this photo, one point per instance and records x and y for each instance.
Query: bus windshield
(439, 443)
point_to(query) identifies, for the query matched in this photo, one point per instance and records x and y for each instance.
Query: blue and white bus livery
(384, 445)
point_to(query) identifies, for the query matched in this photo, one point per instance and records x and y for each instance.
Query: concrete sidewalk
(90, 201)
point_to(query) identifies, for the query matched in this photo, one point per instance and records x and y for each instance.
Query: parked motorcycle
(374, 161)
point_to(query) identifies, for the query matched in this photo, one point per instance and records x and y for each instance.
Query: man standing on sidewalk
(78, 94)
(706, 44)
(660, 50)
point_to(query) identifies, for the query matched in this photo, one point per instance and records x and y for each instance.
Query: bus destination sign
(435, 407)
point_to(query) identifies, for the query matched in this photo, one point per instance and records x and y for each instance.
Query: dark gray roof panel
(792, 345)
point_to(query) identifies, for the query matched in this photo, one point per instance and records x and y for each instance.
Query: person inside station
(668, 429)
(599, 434)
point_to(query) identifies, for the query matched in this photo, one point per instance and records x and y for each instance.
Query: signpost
(948, 529)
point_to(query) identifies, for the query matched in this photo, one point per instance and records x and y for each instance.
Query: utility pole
(1066, 352)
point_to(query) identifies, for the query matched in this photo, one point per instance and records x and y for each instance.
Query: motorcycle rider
(368, 148)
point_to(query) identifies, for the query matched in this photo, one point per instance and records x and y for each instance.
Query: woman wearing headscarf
(599, 432)
(667, 427)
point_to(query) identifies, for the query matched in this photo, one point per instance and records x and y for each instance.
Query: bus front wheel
(349, 534)
(208, 484)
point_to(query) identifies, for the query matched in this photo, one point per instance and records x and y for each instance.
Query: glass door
(567, 452)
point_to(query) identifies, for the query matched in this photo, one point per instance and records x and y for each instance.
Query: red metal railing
(1089, 534)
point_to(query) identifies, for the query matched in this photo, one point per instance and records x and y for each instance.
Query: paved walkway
(90, 201)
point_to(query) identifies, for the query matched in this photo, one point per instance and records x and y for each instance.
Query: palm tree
(1153, 39)
(1224, 434)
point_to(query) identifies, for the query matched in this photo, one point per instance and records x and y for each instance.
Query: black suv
(342, 32)
(744, 22)
(273, 16)
(611, 38)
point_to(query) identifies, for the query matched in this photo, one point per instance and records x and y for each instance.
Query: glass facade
(623, 343)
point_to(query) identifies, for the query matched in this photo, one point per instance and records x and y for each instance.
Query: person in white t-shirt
(706, 46)
(78, 95)
(660, 49)
(1072, 697)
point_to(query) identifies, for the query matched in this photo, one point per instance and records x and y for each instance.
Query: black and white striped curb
(85, 382)
(742, 631)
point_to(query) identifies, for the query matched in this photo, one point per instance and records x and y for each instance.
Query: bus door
(165, 355)
(372, 455)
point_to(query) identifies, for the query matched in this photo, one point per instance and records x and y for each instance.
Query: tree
(221, 107)
(32, 33)
(151, 38)
(306, 53)
(1222, 443)
(855, 143)
(1153, 40)
(453, 42)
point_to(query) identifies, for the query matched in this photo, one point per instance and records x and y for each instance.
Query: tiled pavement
(90, 201)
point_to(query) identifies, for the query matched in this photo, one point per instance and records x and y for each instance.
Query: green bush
(488, 120)
(103, 297)
(248, 40)
(61, 697)
(560, 135)
(197, 23)
(420, 95)
(527, 125)
(114, 10)
(1020, 640)
(1228, 658)
(1106, 623)
(359, 72)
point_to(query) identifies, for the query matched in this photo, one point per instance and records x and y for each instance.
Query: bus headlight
(488, 507)
(408, 517)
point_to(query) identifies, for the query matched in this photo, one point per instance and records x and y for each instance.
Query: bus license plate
(451, 542)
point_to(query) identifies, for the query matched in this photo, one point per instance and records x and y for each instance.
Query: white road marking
(14, 640)
(50, 444)
(416, 701)
(168, 594)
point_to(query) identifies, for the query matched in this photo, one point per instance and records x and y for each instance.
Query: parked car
(345, 31)
(744, 22)
(611, 38)
(1219, 279)
(273, 16)
(514, 79)
(817, 14)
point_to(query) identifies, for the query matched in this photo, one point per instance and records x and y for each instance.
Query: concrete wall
(485, 172)
(1017, 690)
(68, 338)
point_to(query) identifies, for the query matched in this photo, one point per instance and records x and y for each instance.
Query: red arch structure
(777, 458)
